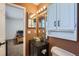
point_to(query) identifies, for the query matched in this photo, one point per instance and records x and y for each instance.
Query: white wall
(14, 20)
(12, 26)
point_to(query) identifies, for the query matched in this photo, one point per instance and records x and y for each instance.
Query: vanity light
(34, 14)
(41, 9)
(31, 16)
(44, 7)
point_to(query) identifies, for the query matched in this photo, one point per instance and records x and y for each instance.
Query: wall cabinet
(62, 21)
(61, 17)
(66, 16)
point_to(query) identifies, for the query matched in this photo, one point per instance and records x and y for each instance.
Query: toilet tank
(56, 51)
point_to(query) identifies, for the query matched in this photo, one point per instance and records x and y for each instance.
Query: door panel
(2, 50)
(2, 29)
(65, 16)
(51, 18)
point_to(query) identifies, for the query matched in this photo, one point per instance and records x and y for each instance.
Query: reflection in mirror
(31, 23)
(41, 22)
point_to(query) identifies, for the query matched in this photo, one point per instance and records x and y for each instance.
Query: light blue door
(51, 17)
(65, 16)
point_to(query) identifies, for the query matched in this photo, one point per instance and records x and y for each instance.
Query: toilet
(56, 51)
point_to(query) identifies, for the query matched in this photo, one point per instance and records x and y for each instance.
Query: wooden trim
(45, 24)
(37, 25)
(25, 29)
(77, 21)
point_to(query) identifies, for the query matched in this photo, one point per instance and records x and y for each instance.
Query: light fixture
(37, 12)
(41, 9)
(32, 15)
(44, 7)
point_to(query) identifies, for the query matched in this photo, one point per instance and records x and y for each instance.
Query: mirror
(42, 22)
(32, 23)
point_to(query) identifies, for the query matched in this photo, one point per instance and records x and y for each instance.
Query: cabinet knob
(58, 23)
(55, 23)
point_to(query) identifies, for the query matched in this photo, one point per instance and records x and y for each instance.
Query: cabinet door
(65, 16)
(51, 17)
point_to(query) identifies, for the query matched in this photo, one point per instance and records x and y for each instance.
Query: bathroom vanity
(38, 48)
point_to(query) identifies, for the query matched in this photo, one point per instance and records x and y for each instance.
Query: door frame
(24, 33)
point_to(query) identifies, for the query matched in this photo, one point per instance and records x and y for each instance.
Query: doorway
(15, 30)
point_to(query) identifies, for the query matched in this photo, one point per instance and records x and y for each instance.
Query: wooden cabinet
(61, 17)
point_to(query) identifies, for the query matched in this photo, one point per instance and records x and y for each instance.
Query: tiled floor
(14, 49)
